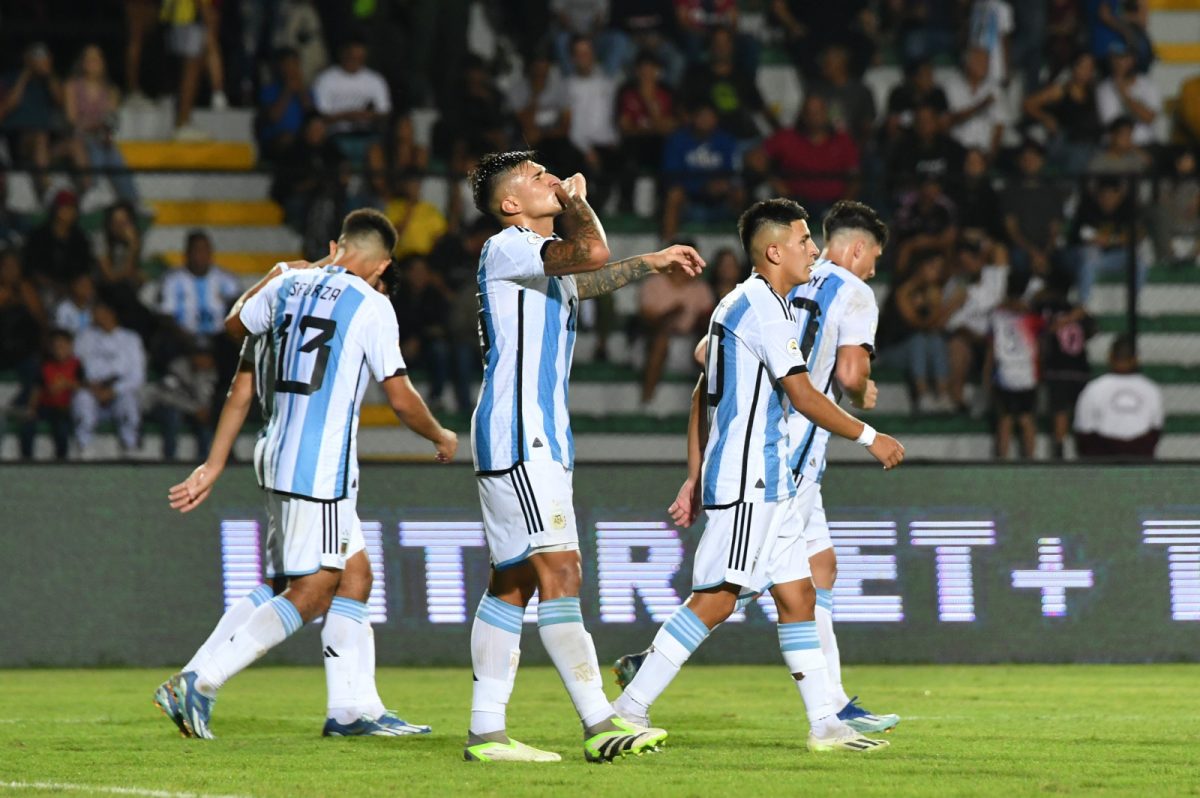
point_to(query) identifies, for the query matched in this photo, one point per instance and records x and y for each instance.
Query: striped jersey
(527, 334)
(752, 345)
(326, 331)
(833, 309)
(257, 354)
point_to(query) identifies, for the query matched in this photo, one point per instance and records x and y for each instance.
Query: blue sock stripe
(353, 613)
(500, 614)
(688, 629)
(800, 636)
(560, 610)
(261, 595)
(289, 616)
(825, 598)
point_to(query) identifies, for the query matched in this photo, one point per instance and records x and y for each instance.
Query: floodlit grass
(735, 731)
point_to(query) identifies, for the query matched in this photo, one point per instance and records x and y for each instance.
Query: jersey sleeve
(779, 348)
(256, 312)
(517, 255)
(859, 320)
(382, 344)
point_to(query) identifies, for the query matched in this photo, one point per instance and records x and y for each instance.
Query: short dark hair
(852, 215)
(770, 211)
(1123, 348)
(489, 170)
(366, 222)
(194, 236)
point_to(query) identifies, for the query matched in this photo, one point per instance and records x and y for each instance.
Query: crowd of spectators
(1005, 157)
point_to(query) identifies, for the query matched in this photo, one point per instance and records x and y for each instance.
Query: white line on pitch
(60, 786)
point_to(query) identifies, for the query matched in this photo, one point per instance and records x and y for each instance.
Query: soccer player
(756, 375)
(837, 315)
(530, 285)
(327, 329)
(347, 640)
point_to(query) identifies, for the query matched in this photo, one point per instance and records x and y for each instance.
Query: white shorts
(304, 536)
(187, 41)
(816, 531)
(527, 509)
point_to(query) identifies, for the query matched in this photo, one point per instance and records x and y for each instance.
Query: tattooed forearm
(585, 246)
(612, 277)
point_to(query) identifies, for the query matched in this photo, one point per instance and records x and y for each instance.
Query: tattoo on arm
(612, 277)
(574, 253)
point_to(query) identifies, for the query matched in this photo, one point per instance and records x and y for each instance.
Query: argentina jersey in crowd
(833, 309)
(527, 335)
(752, 345)
(326, 332)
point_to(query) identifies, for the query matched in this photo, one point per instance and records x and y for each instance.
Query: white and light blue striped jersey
(328, 331)
(833, 309)
(527, 334)
(752, 345)
(198, 304)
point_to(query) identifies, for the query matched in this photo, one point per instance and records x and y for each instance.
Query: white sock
(681, 635)
(267, 627)
(829, 647)
(234, 617)
(366, 694)
(341, 642)
(560, 625)
(495, 653)
(802, 653)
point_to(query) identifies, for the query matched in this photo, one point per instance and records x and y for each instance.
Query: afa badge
(793, 348)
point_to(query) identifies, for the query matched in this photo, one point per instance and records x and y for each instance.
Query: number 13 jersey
(527, 334)
(327, 331)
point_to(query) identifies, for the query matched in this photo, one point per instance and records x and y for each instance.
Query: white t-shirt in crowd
(593, 110)
(976, 132)
(1110, 106)
(336, 91)
(1120, 407)
(982, 298)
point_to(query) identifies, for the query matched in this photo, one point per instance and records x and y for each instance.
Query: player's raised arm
(189, 494)
(584, 248)
(623, 272)
(411, 409)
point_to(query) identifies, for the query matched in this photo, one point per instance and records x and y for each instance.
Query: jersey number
(812, 323)
(319, 343)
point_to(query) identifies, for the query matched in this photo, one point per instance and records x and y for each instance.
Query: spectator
(916, 90)
(1064, 26)
(914, 322)
(59, 375)
(923, 152)
(1127, 93)
(977, 202)
(924, 220)
(191, 35)
(1033, 214)
(698, 23)
(851, 104)
(1119, 414)
(13, 224)
(1066, 111)
(586, 19)
(1103, 232)
(312, 171)
(645, 26)
(698, 168)
(184, 395)
(972, 293)
(538, 99)
(283, 105)
(1120, 23)
(73, 313)
(120, 277)
(1065, 369)
(91, 104)
(1013, 364)
(423, 308)
(354, 100)
(814, 163)
(1120, 155)
(114, 370)
(58, 250)
(646, 116)
(21, 313)
(725, 272)
(398, 155)
(672, 307)
(454, 262)
(977, 105)
(1176, 216)
(733, 93)
(197, 296)
(141, 19)
(591, 97)
(30, 104)
(852, 26)
(419, 223)
(990, 28)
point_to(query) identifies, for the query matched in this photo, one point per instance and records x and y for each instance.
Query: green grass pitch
(735, 731)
